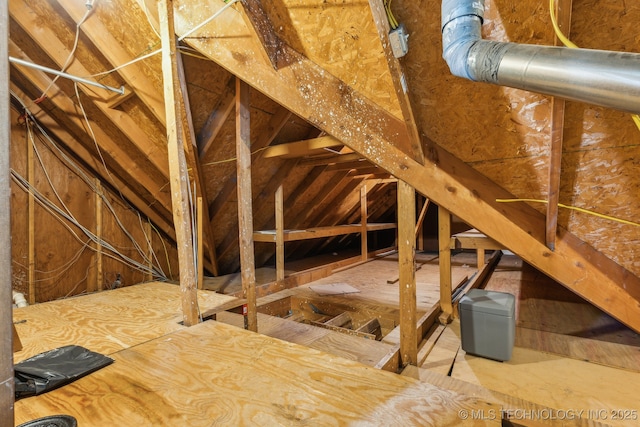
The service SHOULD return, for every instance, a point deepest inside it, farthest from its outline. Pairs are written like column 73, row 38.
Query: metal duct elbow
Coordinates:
column 608, row 79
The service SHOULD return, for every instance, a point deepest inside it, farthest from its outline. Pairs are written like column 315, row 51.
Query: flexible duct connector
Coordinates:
column 605, row 78
column 19, row 300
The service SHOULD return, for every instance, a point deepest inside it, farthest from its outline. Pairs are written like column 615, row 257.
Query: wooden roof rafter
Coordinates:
column 399, row 80
column 309, row 91
column 29, row 20
column 138, row 172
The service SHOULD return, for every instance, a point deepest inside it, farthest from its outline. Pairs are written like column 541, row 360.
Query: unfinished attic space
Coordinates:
column 320, row 212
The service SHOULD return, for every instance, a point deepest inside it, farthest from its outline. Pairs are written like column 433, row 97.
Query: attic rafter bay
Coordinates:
column 309, row 91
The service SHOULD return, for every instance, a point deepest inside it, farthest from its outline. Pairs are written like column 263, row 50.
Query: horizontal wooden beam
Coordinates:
column 302, row 148
column 319, row 232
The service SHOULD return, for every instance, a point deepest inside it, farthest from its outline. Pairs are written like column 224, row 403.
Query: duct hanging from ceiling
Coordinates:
column 605, row 78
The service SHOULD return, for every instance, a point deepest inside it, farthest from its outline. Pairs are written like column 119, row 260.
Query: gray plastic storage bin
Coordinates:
column 487, row 323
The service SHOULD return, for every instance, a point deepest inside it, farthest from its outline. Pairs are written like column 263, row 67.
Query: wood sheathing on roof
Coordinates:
column 330, row 79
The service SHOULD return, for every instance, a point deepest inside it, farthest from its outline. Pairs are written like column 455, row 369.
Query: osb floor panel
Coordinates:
column 107, row 321
column 368, row 352
column 217, row 374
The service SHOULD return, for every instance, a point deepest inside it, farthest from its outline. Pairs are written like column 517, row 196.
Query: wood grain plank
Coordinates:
column 107, row 321
column 196, row 378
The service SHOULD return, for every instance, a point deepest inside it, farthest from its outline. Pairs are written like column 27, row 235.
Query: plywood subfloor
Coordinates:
column 217, row 374
column 365, row 351
column 108, row 321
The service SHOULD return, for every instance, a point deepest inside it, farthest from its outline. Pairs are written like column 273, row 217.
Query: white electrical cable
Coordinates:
column 73, row 50
column 156, row 270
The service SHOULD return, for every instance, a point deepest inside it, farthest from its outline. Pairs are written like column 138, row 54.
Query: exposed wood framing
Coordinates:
column 148, row 232
column 6, row 320
column 133, row 74
column 31, row 212
column 132, row 172
column 302, row 148
column 563, row 14
column 216, row 119
column 58, row 52
column 258, row 19
column 407, row 281
column 399, row 80
column 245, row 209
column 178, row 165
column 279, row 203
column 420, row 223
column 193, row 162
column 276, row 123
column 199, row 220
column 311, row 92
column 363, row 223
column 444, row 237
column 99, row 281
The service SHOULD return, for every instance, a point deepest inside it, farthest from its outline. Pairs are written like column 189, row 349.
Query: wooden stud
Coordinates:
column 364, row 249
column 148, row 231
column 193, row 160
column 178, row 166
column 407, row 282
column 444, row 237
column 136, row 173
column 420, row 223
column 563, row 14
column 276, row 123
column 29, row 20
column 399, row 80
column 279, row 203
column 245, row 208
column 199, row 261
column 31, row 212
column 6, row 321
column 99, row 280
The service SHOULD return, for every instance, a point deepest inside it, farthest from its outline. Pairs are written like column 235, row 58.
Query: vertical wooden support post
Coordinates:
column 444, row 240
column 31, row 212
column 563, row 14
column 99, row 280
column 424, row 202
column 200, row 240
column 6, row 323
column 364, row 248
column 245, row 208
column 407, row 282
column 480, row 256
column 149, row 232
column 178, row 175
column 279, row 203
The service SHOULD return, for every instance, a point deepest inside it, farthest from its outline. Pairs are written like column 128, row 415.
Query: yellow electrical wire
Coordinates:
column 568, row 43
column 393, row 22
column 574, row 208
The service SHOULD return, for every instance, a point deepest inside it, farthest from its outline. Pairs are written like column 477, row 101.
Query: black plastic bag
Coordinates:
column 55, row 368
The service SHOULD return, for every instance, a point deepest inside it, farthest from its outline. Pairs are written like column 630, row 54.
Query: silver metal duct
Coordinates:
column 609, row 79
